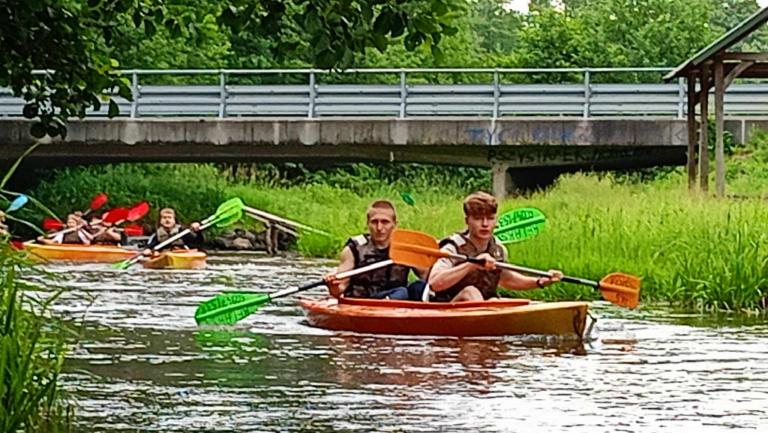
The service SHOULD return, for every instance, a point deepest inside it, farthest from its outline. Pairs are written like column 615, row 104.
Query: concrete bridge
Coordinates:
column 527, row 133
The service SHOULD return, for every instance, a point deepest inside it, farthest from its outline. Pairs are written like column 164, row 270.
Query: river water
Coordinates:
column 142, row 364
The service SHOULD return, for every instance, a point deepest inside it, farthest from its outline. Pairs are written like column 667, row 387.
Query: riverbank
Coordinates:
column 692, row 251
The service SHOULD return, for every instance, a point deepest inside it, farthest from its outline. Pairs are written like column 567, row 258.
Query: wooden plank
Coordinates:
column 719, row 144
column 755, row 57
column 736, row 71
column 691, row 162
column 704, row 135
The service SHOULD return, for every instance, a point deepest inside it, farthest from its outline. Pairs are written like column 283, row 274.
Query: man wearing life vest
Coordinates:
column 74, row 233
column 390, row 282
column 167, row 228
column 454, row 280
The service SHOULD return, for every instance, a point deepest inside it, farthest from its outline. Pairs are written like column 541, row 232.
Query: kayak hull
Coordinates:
column 459, row 319
column 182, row 259
column 78, row 253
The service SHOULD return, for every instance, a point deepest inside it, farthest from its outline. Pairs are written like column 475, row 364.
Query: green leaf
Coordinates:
column 38, row 130
column 114, row 109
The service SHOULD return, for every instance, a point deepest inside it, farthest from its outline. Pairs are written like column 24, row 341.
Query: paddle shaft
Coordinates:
column 339, row 276
column 523, row 269
column 269, row 216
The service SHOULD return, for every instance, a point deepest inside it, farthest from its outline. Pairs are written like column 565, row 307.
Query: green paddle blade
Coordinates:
column 229, row 308
column 520, row 224
column 408, row 198
column 228, row 217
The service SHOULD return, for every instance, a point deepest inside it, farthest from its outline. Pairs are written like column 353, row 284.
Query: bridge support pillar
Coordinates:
column 501, row 181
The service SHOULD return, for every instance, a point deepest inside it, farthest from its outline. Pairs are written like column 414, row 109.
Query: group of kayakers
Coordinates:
column 448, row 280
column 98, row 231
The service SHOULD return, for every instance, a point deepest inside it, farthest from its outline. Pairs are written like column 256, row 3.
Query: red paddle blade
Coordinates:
column 99, row 200
column 621, row 289
column 133, row 230
column 138, row 212
column 114, row 215
column 17, row 245
column 50, row 224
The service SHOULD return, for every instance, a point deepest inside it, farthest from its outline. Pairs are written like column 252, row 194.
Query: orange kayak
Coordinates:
column 459, row 319
column 78, row 253
column 178, row 259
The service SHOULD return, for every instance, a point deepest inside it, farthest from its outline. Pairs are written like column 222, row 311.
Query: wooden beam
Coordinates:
column 703, row 134
column 719, row 145
column 738, row 69
column 691, row 117
column 755, row 57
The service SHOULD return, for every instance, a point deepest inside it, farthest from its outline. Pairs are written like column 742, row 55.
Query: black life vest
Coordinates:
column 485, row 281
column 72, row 237
column 163, row 235
column 368, row 284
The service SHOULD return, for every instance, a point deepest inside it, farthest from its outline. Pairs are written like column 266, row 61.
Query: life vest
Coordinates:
column 163, row 235
column 368, row 284
column 485, row 281
column 73, row 237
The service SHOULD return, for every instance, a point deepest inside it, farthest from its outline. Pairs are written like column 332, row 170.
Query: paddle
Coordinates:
column 259, row 214
column 97, row 202
column 132, row 230
column 17, row 203
column 228, row 213
column 421, row 250
column 138, row 211
column 229, row 308
column 519, row 224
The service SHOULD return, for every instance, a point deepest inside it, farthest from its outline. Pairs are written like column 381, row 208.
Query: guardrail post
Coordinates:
column 222, row 94
column 134, row 94
column 587, row 93
column 403, row 94
column 496, row 94
column 312, row 95
column 680, row 97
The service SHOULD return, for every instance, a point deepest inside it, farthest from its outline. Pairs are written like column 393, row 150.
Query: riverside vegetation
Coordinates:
column 693, row 251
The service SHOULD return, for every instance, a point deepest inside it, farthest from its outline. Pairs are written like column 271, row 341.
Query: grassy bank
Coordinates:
column 692, row 251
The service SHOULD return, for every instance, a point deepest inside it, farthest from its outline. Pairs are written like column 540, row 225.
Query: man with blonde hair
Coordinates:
column 390, row 282
column 453, row 280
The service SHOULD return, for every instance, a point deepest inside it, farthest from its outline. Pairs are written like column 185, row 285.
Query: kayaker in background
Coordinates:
column 390, row 282
column 102, row 232
column 167, row 228
column 453, row 281
column 74, row 233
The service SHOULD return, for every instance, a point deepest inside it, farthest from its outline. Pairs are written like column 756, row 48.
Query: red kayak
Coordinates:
column 458, row 319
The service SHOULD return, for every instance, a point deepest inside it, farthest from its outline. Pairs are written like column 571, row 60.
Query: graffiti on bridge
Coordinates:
column 580, row 133
column 563, row 155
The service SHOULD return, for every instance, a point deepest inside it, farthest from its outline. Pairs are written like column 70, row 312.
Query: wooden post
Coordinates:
column 719, row 145
column 704, row 133
column 691, row 132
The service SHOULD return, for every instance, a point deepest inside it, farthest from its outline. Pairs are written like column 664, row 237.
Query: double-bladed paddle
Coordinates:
column 421, row 250
column 227, row 213
column 229, row 308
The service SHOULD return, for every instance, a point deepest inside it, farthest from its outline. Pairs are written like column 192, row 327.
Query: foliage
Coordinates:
column 73, row 40
column 32, row 348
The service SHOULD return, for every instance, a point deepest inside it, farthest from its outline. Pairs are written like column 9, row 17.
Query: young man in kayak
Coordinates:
column 453, row 281
column 102, row 232
column 167, row 228
column 390, row 282
column 74, row 233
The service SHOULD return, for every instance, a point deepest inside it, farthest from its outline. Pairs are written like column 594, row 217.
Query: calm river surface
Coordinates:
column 143, row 365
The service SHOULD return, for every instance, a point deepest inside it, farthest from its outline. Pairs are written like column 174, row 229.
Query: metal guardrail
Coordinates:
column 410, row 97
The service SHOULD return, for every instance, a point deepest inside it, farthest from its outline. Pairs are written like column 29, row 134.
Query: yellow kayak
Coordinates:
column 177, row 259
column 78, row 253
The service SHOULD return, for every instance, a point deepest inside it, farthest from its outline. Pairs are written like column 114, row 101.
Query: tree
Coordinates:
column 73, row 41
